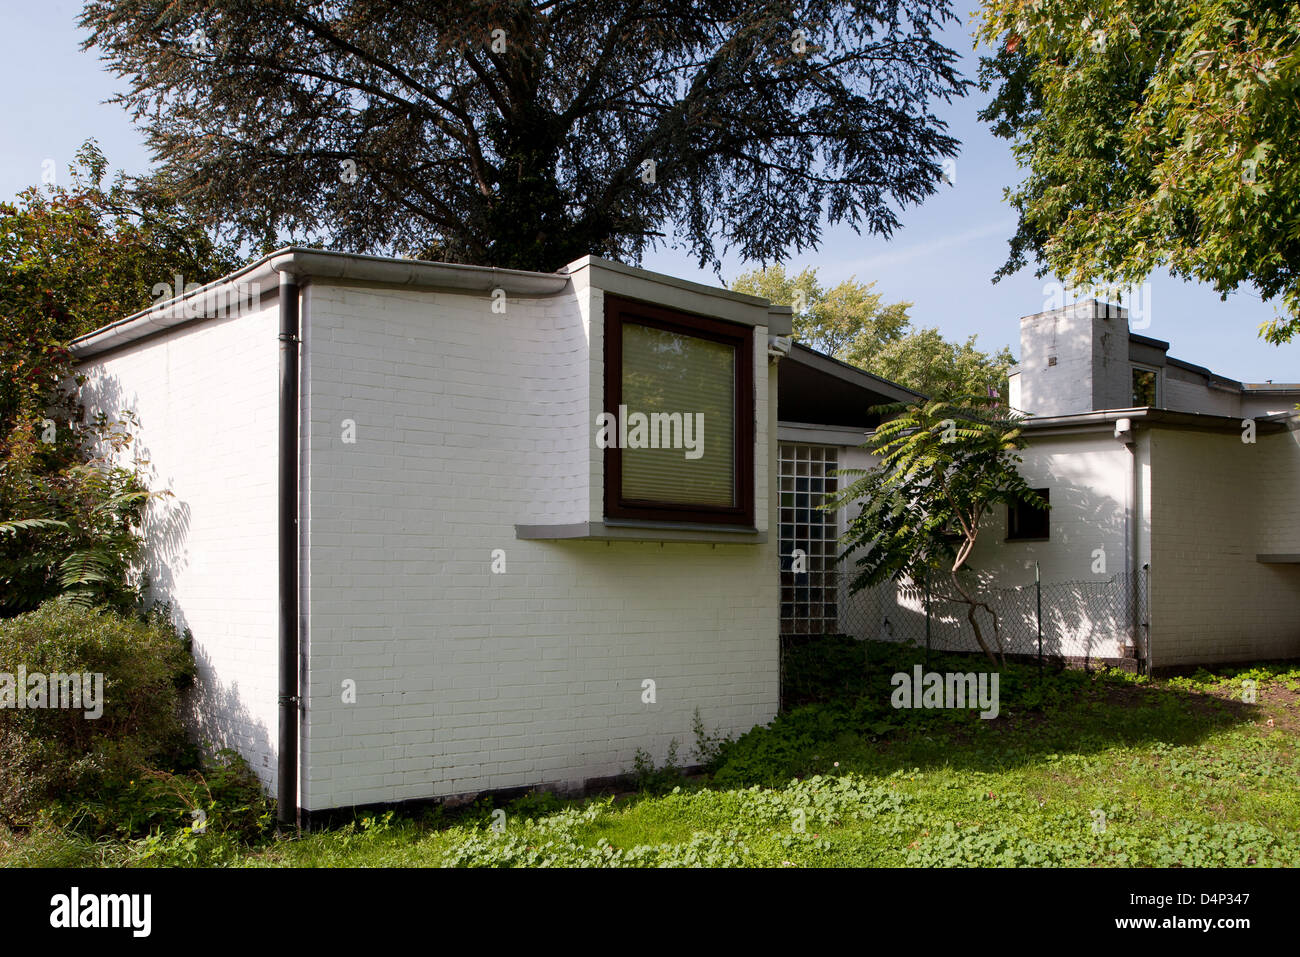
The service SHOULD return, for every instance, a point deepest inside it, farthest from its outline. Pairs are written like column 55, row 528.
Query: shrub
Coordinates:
column 648, row 779
column 49, row 753
column 821, row 668
column 69, row 527
column 222, row 797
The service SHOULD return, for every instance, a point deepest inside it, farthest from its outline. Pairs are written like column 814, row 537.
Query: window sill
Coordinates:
column 1045, row 538
column 619, row 530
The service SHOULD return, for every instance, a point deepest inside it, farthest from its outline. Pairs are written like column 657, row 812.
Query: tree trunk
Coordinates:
column 973, row 605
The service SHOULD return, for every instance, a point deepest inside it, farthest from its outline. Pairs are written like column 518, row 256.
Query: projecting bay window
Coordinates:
column 678, row 424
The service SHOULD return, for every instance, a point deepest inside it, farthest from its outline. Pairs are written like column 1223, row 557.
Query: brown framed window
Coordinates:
column 678, row 423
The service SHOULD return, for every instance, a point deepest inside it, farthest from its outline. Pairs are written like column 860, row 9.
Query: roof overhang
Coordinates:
column 717, row 302
column 303, row 265
column 815, row 389
column 1037, row 426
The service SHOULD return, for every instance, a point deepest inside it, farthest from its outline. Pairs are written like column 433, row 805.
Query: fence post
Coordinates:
column 1038, row 589
column 927, row 620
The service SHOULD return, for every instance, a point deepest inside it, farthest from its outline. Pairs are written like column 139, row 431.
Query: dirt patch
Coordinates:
column 1273, row 702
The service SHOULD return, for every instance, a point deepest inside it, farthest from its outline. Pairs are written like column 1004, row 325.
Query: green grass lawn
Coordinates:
column 1078, row 769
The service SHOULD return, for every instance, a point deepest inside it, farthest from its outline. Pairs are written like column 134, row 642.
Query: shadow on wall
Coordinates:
column 216, row 716
column 1090, row 601
column 167, row 519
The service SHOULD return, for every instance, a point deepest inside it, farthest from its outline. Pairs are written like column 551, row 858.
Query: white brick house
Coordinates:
column 1191, row 474
column 1157, row 471
column 412, row 571
column 471, row 604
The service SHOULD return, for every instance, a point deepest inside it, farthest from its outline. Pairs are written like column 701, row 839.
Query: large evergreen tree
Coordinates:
column 528, row 134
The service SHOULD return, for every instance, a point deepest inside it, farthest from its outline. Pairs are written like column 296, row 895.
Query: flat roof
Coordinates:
column 1196, row 421
column 306, row 263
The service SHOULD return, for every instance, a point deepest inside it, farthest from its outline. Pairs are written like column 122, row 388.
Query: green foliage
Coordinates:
column 1079, row 769
column 774, row 754
column 80, row 534
column 555, row 841
column 649, row 779
column 1153, row 133
column 207, row 816
column 848, row 321
column 77, row 257
column 925, row 361
column 60, row 754
column 852, row 323
column 837, row 686
column 942, row 467
column 72, row 259
column 708, row 745
column 515, row 135
column 821, row 668
column 220, row 796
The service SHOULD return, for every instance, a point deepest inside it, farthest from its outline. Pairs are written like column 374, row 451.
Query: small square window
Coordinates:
column 1026, row 522
column 1146, row 390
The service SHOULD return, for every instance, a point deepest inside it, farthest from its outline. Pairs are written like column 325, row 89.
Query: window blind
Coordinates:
column 668, row 372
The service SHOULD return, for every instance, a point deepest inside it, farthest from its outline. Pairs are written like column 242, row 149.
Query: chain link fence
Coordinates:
column 1067, row 622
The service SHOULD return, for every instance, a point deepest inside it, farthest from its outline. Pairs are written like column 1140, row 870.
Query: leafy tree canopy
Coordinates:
column 528, row 134
column 1154, row 133
column 853, row 323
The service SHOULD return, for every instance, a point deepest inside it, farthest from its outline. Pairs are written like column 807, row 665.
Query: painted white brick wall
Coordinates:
column 1088, row 476
column 1216, row 503
column 467, row 680
column 1186, row 391
column 1279, row 484
column 205, row 396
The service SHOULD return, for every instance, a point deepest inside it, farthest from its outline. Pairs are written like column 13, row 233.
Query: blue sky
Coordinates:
column 941, row 259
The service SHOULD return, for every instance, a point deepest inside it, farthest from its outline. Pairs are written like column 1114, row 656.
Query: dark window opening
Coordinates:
column 1144, row 388
column 1025, row 521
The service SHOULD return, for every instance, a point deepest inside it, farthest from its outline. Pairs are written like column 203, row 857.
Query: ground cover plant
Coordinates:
column 1099, row 768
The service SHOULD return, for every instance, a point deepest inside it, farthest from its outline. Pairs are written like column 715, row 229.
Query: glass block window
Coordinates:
column 810, row 594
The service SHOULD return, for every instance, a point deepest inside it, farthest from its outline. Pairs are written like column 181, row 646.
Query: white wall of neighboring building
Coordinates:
column 468, row 424
column 1188, row 391
column 205, row 398
column 1217, row 504
column 1256, row 404
column 1278, row 480
column 1090, row 478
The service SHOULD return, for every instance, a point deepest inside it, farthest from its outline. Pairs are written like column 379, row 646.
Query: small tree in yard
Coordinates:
column 943, row 466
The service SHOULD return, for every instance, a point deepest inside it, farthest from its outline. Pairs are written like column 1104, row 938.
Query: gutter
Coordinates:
column 1191, row 421
column 1125, row 433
